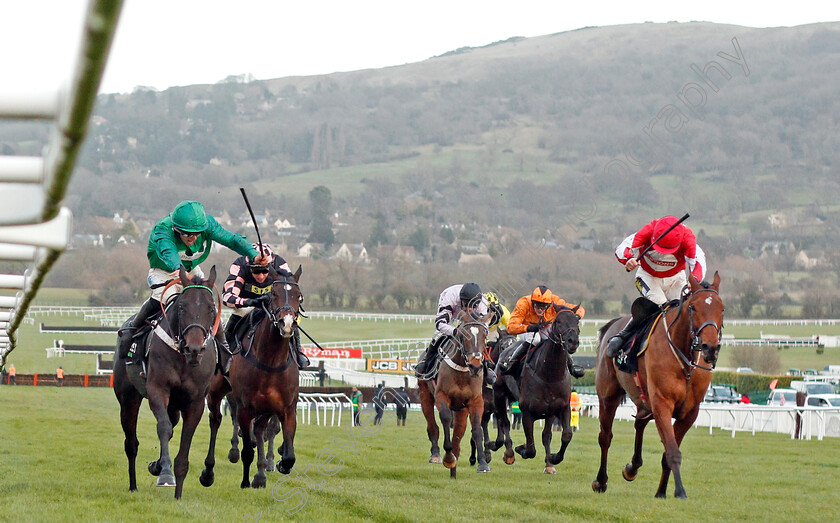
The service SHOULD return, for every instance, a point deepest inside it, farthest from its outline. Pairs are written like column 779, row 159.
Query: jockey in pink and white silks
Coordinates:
column 660, row 273
column 453, row 301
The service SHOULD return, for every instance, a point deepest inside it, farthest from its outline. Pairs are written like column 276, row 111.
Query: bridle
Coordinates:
column 562, row 338
column 276, row 315
column 696, row 344
column 177, row 343
column 464, row 328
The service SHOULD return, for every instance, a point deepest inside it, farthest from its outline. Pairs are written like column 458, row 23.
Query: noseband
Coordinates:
column 479, row 354
column 178, row 343
column 276, row 315
column 696, row 343
column 563, row 337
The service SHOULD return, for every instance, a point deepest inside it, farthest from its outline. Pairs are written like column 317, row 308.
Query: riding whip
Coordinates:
column 649, row 247
column 254, row 220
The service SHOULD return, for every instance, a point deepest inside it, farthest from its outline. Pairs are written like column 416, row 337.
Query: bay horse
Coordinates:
column 671, row 380
column 545, row 389
column 457, row 393
column 264, row 381
column 182, row 360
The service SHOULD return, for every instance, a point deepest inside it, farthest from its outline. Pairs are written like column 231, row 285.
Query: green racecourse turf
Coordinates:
column 61, row 459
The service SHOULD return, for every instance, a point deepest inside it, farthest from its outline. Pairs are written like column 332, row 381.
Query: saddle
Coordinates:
column 138, row 353
column 636, row 344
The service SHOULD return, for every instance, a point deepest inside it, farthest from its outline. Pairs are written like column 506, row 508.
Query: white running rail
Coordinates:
column 34, row 228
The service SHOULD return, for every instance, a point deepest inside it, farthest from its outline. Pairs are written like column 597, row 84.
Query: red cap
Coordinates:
column 671, row 242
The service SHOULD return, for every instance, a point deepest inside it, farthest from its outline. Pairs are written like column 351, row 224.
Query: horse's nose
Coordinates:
column 710, row 353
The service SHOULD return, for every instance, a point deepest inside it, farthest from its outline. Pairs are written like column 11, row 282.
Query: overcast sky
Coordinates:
column 161, row 43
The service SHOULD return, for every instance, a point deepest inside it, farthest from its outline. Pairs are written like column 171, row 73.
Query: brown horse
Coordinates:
column 264, row 382
column 546, row 386
column 272, row 428
column 673, row 380
column 457, row 393
column 179, row 374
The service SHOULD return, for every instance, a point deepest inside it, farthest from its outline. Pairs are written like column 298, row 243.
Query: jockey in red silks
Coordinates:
column 660, row 273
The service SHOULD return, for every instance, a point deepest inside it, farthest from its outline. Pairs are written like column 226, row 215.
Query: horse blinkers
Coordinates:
column 709, row 351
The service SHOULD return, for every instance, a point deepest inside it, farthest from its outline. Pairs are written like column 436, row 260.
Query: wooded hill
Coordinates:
column 572, row 138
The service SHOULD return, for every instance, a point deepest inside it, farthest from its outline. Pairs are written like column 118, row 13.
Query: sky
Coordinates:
column 163, row 43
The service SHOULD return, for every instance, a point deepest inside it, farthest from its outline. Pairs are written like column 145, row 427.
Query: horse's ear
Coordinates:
column 272, row 272
column 557, row 308
column 212, row 278
column 693, row 283
column 298, row 273
column 182, row 274
column 575, row 308
column 716, row 281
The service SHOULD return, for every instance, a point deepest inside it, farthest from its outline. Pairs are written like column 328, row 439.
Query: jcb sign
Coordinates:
column 392, row 366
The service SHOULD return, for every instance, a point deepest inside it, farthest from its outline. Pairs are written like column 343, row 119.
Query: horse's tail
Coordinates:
column 604, row 329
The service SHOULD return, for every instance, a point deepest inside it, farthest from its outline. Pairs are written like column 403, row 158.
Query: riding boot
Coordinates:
column 489, row 375
column 512, row 385
column 230, row 332
column 224, row 354
column 511, row 355
column 302, row 360
column 424, row 363
column 147, row 310
column 575, row 370
column 616, row 343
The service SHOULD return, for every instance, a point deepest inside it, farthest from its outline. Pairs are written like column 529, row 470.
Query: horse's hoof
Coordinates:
column 233, row 455
column 483, row 468
column 472, row 461
column 660, row 495
column 452, row 473
column 450, row 463
column 625, row 473
column 269, row 467
column 509, row 460
column 549, row 470
column 245, row 484
column 488, row 457
column 281, row 469
column 207, row 477
column 155, row 468
column 435, row 459
column 598, row 487
column 258, row 482
column 165, row 480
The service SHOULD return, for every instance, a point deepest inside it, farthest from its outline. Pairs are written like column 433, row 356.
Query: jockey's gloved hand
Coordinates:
column 534, row 327
column 252, row 302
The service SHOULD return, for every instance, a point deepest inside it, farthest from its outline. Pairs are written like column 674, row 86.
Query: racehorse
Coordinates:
column 672, row 380
column 545, row 389
column 491, row 356
column 182, row 359
column 457, row 393
column 264, row 382
column 271, row 430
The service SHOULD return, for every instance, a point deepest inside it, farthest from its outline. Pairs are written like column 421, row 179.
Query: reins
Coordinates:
column 177, row 343
column 271, row 314
column 689, row 365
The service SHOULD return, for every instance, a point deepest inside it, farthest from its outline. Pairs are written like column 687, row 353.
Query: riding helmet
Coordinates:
column 189, row 217
column 542, row 294
column 470, row 294
column 671, row 241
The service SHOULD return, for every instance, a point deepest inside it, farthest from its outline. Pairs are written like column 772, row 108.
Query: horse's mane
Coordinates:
column 603, row 329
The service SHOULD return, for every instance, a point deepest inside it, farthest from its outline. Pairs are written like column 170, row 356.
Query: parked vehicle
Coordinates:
column 745, row 370
column 823, row 400
column 782, row 397
column 722, row 394
column 812, row 387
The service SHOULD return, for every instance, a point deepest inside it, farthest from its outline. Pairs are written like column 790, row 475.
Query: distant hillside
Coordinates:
column 572, row 138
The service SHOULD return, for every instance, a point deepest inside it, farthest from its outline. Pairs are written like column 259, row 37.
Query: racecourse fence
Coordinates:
column 34, row 228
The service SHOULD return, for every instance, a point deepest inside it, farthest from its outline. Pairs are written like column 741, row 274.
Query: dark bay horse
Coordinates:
column 264, row 382
column 491, row 356
column 673, row 380
column 182, row 359
column 457, row 393
column 545, row 389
